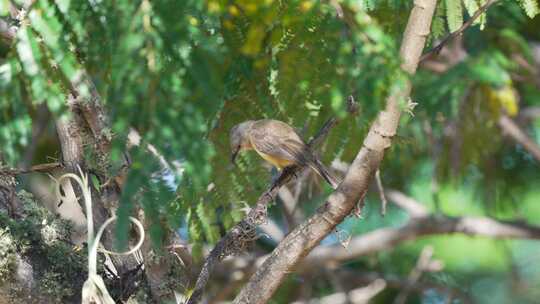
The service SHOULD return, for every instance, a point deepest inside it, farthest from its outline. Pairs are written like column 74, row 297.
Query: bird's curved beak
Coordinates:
column 234, row 155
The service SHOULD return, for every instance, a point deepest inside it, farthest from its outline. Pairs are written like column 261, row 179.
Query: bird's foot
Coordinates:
column 275, row 176
column 291, row 170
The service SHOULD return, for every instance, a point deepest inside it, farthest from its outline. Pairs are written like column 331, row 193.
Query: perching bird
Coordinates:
column 278, row 143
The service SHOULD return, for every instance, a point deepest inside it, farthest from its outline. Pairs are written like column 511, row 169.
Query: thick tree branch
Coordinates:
column 89, row 107
column 71, row 143
column 304, row 238
column 417, row 227
column 387, row 238
column 423, row 224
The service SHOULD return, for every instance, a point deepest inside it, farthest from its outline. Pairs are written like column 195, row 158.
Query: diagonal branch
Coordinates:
column 245, row 231
column 423, row 224
column 339, row 204
column 510, row 128
column 417, row 227
column 435, row 51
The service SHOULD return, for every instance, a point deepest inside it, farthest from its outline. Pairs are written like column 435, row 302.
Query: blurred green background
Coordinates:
column 182, row 73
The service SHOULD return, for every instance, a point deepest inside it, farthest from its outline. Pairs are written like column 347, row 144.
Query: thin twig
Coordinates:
column 380, row 187
column 464, row 26
column 510, row 128
column 36, row 168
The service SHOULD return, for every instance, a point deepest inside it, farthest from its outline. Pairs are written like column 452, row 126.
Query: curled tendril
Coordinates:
column 94, row 289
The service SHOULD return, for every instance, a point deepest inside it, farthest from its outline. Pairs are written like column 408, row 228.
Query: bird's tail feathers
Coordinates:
column 321, row 169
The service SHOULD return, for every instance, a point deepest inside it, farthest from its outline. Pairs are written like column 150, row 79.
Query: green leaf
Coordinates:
column 530, row 7
column 472, row 6
column 438, row 28
column 454, row 14
column 49, row 34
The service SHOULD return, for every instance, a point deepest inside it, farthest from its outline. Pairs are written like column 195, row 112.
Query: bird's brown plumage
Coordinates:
column 279, row 144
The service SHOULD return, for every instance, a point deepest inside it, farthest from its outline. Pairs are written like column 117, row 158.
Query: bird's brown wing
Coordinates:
column 277, row 144
column 299, row 149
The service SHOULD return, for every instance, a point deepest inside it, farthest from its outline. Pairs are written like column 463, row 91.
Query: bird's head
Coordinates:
column 239, row 138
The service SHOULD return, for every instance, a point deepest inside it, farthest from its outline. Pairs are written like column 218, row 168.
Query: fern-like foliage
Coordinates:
column 530, row 7
column 307, row 64
column 471, row 7
column 184, row 72
column 454, row 14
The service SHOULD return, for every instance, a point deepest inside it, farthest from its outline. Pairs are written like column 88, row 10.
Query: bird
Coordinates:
column 277, row 143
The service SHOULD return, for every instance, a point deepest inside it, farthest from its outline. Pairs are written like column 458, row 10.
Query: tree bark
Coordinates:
column 304, row 238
